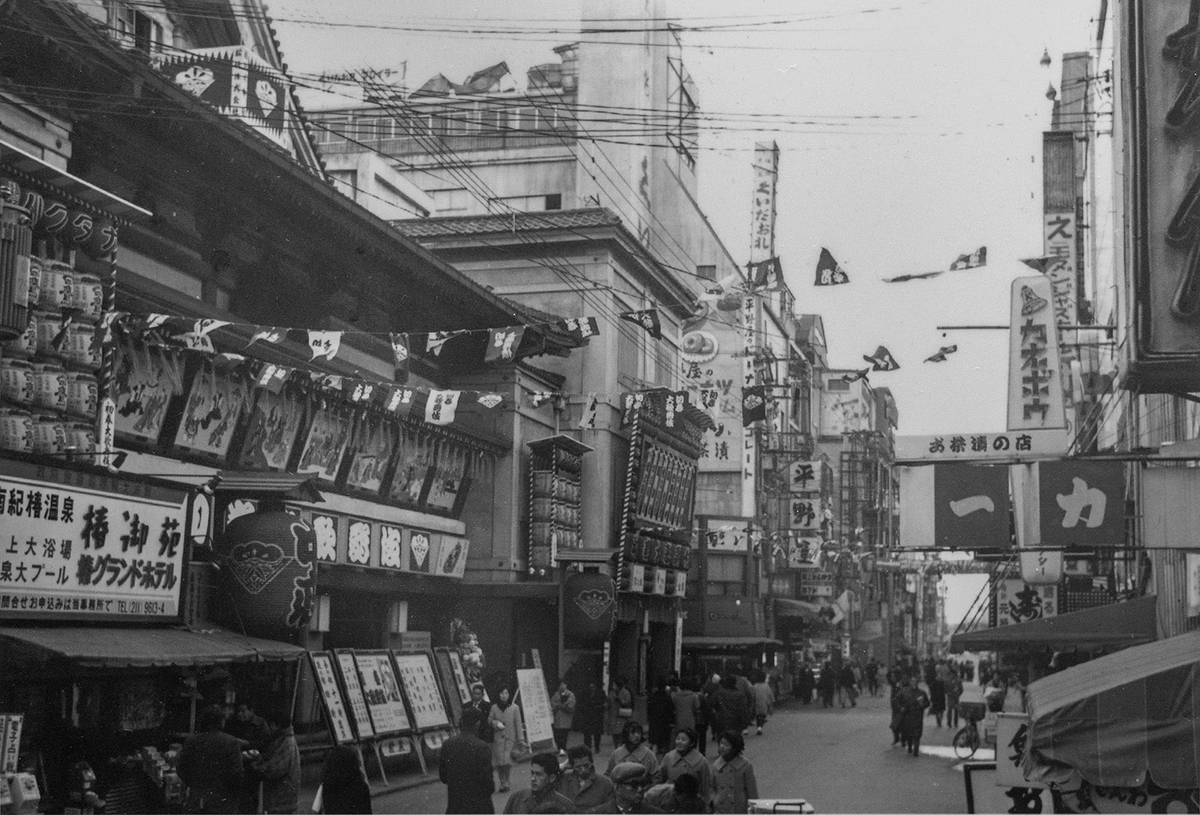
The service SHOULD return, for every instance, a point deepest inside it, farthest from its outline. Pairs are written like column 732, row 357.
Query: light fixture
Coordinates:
column 1045, row 60
column 1051, row 94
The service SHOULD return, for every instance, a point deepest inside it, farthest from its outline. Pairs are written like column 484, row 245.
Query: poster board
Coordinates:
column 460, row 675
column 535, row 705
column 354, row 694
column 331, row 697
column 419, row 678
column 381, row 690
column 441, row 658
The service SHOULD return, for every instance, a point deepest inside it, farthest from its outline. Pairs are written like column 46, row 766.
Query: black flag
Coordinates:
column 647, row 319
column 882, row 360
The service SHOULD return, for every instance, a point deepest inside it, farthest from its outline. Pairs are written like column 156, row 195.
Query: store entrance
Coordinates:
column 357, row 620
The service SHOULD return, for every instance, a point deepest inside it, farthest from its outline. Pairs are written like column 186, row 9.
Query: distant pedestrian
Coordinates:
column 764, row 701
column 562, row 706
column 484, row 707
column 620, row 710
column 897, row 721
column 847, row 685
column 871, row 674
column 954, row 691
column 589, row 716
column 660, row 717
column 729, row 711
column 747, row 688
column 687, row 705
column 937, row 693
column 508, row 731
column 806, row 683
column 344, row 789
column 733, row 776
column 915, row 701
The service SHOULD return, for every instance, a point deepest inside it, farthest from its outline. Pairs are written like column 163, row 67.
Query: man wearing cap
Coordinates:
column 631, row 780
column 541, row 795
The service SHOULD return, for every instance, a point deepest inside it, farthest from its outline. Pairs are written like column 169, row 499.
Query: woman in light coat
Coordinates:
column 733, row 776
column 508, row 731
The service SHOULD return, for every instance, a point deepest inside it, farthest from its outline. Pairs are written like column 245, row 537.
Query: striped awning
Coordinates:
column 1120, row 718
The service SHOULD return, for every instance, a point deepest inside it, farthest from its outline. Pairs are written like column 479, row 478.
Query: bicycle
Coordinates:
column 967, row 739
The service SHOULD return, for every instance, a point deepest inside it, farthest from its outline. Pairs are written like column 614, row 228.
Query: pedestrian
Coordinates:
column 915, row 701
column 630, row 780
column 465, row 767
column 684, row 758
column 687, row 705
column 704, row 725
column 1014, row 698
column 620, row 710
column 747, row 688
column 562, row 706
column 248, row 726
column 210, row 765
column 954, row 691
column 633, row 748
column 897, row 721
column 541, row 795
column 847, row 685
column 733, row 775
column 481, row 704
column 508, row 732
column 587, row 789
column 937, row 693
column 279, row 768
column 682, row 796
column 589, row 716
column 729, row 711
column 660, row 717
column 827, row 684
column 344, row 789
column 764, row 700
column 871, row 674
column 807, row 683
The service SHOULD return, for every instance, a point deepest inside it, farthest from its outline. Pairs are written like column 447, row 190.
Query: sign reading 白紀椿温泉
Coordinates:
column 72, row 552
column 1017, row 445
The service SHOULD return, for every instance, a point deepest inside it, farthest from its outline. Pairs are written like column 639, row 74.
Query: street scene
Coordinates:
column 599, row 406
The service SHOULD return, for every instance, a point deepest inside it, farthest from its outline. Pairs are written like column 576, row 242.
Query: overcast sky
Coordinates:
column 910, row 133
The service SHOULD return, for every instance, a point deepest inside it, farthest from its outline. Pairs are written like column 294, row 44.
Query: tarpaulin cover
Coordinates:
column 1120, row 717
column 137, row 647
column 1130, row 623
column 786, row 607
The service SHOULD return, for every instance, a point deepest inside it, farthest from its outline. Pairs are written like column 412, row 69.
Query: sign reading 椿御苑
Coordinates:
column 68, row 551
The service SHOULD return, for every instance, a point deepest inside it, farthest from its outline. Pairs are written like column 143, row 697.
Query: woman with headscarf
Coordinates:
column 733, row 776
column 508, row 731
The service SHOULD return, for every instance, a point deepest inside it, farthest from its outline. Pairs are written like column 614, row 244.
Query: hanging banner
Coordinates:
column 1082, row 503
column 1018, row 602
column 1035, row 396
column 1025, row 445
column 954, row 506
column 804, row 477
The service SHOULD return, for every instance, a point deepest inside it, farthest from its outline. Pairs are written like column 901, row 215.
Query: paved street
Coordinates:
column 839, row 759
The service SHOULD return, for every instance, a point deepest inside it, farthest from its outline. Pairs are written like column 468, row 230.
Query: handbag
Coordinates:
column 521, row 752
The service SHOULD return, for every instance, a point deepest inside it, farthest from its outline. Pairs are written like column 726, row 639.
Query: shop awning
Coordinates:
column 786, row 607
column 727, row 642
column 1132, row 622
column 1120, row 717
column 137, row 647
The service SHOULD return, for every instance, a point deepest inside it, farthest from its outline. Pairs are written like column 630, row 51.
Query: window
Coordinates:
column 449, row 202
column 666, row 363
column 494, row 120
column 629, row 355
column 554, row 201
column 332, row 130
column 136, row 29
column 726, row 575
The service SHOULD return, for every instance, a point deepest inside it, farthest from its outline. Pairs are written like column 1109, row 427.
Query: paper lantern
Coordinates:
column 36, row 204
column 589, row 609
column 80, row 226
column 54, row 218
column 103, row 241
column 267, row 562
column 10, row 191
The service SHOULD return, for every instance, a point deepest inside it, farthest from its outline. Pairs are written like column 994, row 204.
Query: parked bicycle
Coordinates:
column 967, row 739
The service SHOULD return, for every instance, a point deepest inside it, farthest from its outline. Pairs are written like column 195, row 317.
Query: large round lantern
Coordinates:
column 267, row 561
column 589, row 609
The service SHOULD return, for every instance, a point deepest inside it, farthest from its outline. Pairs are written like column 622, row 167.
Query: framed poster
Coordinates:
column 271, row 429
column 460, row 675
column 420, row 682
column 370, row 453
column 146, row 378
column 328, row 437
column 214, row 405
column 449, row 471
column 381, row 690
column 535, row 705
column 331, row 697
column 354, row 694
column 441, row 658
column 414, row 460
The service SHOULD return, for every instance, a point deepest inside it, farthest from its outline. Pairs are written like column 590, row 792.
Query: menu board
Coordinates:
column 460, row 675
column 331, row 696
column 354, row 694
column 381, row 691
column 535, row 705
column 441, row 658
column 421, row 687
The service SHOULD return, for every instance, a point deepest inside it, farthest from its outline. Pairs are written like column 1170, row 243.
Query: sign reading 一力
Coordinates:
column 69, row 551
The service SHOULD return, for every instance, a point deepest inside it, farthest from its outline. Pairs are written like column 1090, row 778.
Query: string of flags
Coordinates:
column 882, row 360
column 829, row 273
column 970, row 260
column 942, row 353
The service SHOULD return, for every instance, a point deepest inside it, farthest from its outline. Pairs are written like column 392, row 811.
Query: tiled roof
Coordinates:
column 549, row 221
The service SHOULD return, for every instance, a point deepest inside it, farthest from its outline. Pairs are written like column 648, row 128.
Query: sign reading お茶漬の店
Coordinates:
column 73, row 552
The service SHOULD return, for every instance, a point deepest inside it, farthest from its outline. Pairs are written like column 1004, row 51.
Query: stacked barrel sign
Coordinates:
column 50, row 307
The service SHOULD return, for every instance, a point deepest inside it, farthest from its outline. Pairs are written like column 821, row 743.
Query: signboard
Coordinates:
column 804, row 514
column 954, row 506
column 381, row 690
column 724, row 536
column 804, row 477
column 354, row 694
column 535, row 705
column 421, row 687
column 1018, row 602
column 331, row 697
column 1035, row 397
column 441, row 659
column 460, row 676
column 10, row 745
column 1082, row 503
column 1012, row 729
column 1170, row 513
column 1024, row 445
column 1192, row 564
column 72, row 552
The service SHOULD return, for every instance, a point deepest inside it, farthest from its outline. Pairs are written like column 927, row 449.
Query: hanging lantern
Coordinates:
column 103, row 241
column 80, row 226
column 54, row 218
column 589, row 609
column 10, row 191
column 267, row 562
column 33, row 201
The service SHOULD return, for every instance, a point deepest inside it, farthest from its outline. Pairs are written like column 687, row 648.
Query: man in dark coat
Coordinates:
column 913, row 701
column 466, row 768
column 729, row 707
column 210, row 766
column 483, row 707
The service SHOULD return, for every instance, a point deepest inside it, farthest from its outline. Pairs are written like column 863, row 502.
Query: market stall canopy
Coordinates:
column 1121, row 717
column 136, row 647
column 1132, row 622
column 786, row 607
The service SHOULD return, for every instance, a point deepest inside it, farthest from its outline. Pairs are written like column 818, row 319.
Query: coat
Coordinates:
column 675, row 764
column 733, row 784
column 523, row 801
column 642, row 755
column 729, row 711
column 506, row 738
column 466, row 770
column 210, row 765
column 589, row 712
column 660, row 717
column 764, row 699
column 687, row 708
column 614, row 722
column 598, row 796
column 563, row 706
column 280, row 771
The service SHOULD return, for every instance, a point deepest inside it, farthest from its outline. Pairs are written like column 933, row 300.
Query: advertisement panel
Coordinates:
column 1035, row 396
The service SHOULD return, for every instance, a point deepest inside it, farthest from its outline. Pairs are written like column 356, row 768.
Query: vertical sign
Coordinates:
column 331, row 696
column 10, row 747
column 1035, row 398
column 535, row 705
column 1193, row 584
